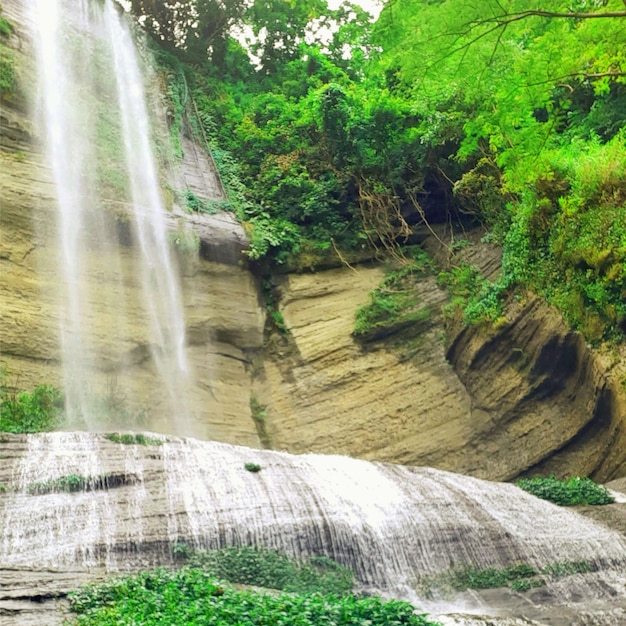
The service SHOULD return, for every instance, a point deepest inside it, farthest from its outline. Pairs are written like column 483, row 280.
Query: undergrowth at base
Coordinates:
column 521, row 577
column 273, row 570
column 190, row 597
column 572, row 492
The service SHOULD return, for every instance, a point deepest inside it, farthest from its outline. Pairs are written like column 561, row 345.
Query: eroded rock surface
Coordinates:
column 527, row 397
column 391, row 524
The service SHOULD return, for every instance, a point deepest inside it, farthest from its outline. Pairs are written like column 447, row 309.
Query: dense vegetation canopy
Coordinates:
column 334, row 133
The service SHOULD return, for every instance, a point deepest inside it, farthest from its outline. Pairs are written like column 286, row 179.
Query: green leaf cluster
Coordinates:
column 526, row 116
column 73, row 483
column 480, row 300
column 133, row 439
column 31, row 412
column 191, row 597
column 521, row 577
column 572, row 492
column 274, row 570
column 394, row 303
column 7, row 61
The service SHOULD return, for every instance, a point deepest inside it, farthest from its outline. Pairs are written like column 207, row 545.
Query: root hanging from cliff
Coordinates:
column 382, row 218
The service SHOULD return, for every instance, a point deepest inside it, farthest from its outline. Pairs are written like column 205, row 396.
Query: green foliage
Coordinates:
column 197, row 205
column 394, row 302
column 75, row 482
column 133, row 439
column 6, row 27
column 34, row 412
column 274, row 570
column 521, row 577
column 8, row 76
column 479, row 299
column 572, row 492
column 275, row 319
column 568, row 568
column 191, row 597
column 253, row 467
column 490, row 578
column 526, row 118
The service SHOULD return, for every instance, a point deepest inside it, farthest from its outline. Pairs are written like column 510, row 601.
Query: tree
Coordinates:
column 199, row 27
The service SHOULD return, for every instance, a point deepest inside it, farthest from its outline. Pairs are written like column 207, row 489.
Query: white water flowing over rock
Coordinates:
column 100, row 143
column 390, row 524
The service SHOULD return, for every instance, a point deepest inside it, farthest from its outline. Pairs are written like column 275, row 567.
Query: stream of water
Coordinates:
column 391, row 525
column 100, row 142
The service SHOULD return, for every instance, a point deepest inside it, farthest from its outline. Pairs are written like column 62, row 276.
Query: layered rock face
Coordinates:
column 125, row 387
column 395, row 527
column 529, row 397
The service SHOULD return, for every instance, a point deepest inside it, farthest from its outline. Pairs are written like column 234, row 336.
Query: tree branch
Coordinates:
column 509, row 18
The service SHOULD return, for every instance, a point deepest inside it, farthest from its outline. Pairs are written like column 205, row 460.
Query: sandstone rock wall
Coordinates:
column 529, row 397
column 31, row 288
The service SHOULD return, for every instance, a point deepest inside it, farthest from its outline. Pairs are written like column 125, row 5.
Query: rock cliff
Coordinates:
column 527, row 397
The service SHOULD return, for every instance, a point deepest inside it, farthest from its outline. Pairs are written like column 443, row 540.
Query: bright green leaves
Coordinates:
column 572, row 492
column 30, row 412
column 191, row 597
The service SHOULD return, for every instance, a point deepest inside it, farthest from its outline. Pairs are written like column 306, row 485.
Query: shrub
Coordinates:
column 133, row 438
column 192, row 597
column 393, row 302
column 31, row 412
column 76, row 482
column 478, row 298
column 274, row 570
column 7, row 60
column 521, row 577
column 572, row 492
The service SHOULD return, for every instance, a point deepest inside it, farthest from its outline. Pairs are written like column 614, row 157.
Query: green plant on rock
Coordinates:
column 521, row 577
column 73, row 483
column 6, row 27
column 273, row 570
column 572, row 492
column 8, row 75
column 134, row 439
column 393, row 303
column 479, row 300
column 191, row 597
column 275, row 318
column 30, row 412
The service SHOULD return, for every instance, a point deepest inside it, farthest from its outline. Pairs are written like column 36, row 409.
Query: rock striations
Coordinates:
column 392, row 525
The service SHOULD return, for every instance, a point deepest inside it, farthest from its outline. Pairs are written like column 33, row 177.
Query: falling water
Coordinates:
column 98, row 136
column 391, row 525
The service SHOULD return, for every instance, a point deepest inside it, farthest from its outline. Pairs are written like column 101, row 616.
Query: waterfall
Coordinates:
column 112, row 224
column 391, row 525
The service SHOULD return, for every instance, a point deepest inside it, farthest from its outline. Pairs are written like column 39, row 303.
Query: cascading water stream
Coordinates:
column 94, row 116
column 391, row 525
column 163, row 298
